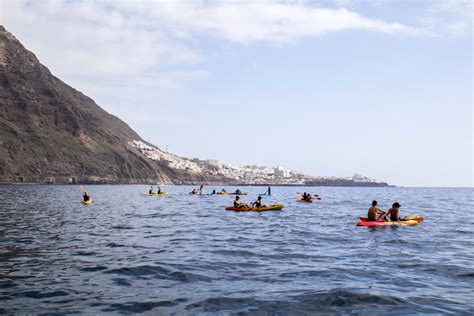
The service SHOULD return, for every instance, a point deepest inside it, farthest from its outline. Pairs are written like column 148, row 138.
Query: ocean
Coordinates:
column 183, row 254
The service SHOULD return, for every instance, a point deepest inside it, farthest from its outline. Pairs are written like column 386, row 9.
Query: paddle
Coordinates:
column 316, row 196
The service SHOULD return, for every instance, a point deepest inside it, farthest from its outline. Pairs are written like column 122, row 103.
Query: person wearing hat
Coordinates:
column 394, row 212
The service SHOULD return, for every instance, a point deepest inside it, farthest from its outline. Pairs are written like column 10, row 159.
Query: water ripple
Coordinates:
column 185, row 255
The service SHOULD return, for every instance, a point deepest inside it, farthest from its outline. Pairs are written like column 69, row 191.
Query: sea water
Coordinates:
column 184, row 254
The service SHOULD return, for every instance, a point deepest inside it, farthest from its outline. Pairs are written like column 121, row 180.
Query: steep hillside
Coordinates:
column 50, row 132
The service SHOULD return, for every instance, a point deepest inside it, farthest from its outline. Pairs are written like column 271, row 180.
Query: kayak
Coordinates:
column 276, row 207
column 156, row 194
column 372, row 224
column 87, row 202
column 417, row 218
column 305, row 201
column 265, row 194
column 232, row 193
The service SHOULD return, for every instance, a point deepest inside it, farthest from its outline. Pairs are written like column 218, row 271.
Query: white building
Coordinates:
column 281, row 172
column 213, row 162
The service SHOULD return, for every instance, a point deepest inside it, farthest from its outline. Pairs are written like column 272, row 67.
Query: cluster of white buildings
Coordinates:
column 175, row 162
column 246, row 174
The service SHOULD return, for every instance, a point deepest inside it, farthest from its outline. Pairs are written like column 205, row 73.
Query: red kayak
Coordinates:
column 372, row 224
column 305, row 201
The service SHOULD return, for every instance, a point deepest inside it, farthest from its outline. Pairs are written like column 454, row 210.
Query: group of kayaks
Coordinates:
column 363, row 221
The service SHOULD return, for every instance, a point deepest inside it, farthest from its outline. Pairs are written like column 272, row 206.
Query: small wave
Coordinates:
column 121, row 282
column 114, row 245
column 306, row 304
column 93, row 269
column 85, row 253
column 159, row 273
column 140, row 307
column 121, row 227
column 39, row 294
column 243, row 253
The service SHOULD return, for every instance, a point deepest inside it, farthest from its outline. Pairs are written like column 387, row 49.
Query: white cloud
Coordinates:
column 450, row 16
column 148, row 43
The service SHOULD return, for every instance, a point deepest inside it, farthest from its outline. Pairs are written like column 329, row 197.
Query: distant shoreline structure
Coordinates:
column 341, row 183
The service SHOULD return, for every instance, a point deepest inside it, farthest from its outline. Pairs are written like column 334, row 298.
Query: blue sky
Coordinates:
column 381, row 88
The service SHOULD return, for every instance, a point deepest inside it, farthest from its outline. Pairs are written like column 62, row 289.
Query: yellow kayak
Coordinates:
column 157, row 194
column 87, row 202
column 276, row 207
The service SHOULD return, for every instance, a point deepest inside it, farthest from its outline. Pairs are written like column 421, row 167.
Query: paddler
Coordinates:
column 258, row 202
column 158, row 191
column 394, row 212
column 239, row 204
column 86, row 197
column 307, row 197
column 374, row 211
column 238, row 191
column 214, row 191
column 151, row 190
column 269, row 191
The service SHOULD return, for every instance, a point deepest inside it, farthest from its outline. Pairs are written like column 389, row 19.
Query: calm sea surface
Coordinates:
column 182, row 254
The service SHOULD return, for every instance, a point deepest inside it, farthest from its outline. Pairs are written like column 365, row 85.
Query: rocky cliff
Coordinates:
column 50, row 132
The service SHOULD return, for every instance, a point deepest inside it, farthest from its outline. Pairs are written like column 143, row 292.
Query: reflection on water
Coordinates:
column 128, row 253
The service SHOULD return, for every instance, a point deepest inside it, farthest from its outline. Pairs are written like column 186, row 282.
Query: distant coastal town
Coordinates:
column 250, row 174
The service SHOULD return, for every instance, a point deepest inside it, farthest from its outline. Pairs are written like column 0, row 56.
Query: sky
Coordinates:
column 329, row 88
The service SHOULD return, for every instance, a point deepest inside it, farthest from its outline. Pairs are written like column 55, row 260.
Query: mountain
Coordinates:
column 50, row 132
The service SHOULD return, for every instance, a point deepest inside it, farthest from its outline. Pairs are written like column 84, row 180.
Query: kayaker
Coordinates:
column 214, row 191
column 394, row 212
column 158, row 191
column 258, row 202
column 269, row 191
column 86, row 197
column 374, row 211
column 238, row 191
column 239, row 204
column 307, row 197
column 223, row 191
column 151, row 190
column 194, row 191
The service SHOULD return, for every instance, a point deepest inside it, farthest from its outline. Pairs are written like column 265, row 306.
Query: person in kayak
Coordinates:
column 307, row 197
column 238, row 191
column 394, row 212
column 158, row 191
column 374, row 211
column 239, row 204
column 258, row 202
column 86, row 197
column 223, row 191
column 269, row 191
column 151, row 190
column 214, row 191
column 194, row 191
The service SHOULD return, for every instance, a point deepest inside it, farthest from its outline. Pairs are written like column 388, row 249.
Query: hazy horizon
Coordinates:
column 382, row 89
